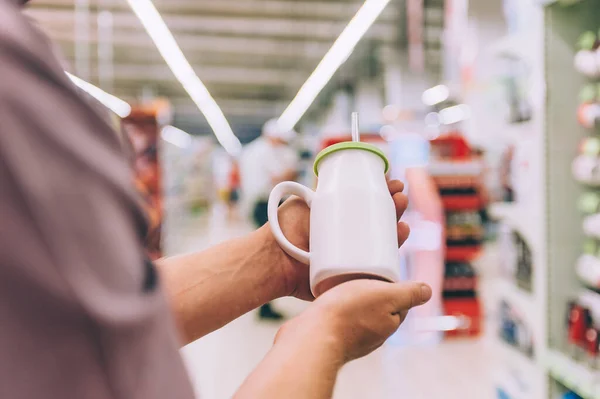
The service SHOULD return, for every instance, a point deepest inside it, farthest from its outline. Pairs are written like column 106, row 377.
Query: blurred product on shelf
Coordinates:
column 142, row 128
column 516, row 81
column 583, row 329
column 514, row 329
column 460, row 280
column 517, row 259
column 524, row 271
column 588, row 113
column 464, row 228
column 588, row 269
column 591, row 226
column 586, row 170
column 590, row 146
column 587, row 59
column 508, row 193
column 589, row 203
column 586, row 166
column 583, row 334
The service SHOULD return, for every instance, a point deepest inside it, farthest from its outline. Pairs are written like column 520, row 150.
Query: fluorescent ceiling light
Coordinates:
column 183, row 71
column 336, row 56
column 435, row 95
column 176, row 136
column 113, row 103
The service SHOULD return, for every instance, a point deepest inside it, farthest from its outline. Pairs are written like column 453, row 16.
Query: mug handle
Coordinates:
column 281, row 190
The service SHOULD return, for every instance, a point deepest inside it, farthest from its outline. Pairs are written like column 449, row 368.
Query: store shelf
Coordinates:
column 564, row 233
column 455, row 203
column 503, row 210
column 519, row 375
column 450, row 168
column 505, row 352
column 519, row 298
column 518, row 217
column 462, row 254
column 573, row 375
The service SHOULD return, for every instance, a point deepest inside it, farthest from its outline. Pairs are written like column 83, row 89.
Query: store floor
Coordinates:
column 220, row 362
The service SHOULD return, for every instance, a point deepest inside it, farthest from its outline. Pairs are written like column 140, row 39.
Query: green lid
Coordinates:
column 350, row 145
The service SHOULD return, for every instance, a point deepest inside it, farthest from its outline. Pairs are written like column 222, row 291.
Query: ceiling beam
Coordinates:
column 221, row 74
column 229, row 26
column 219, row 91
column 194, row 44
column 255, row 109
column 140, row 55
column 319, row 10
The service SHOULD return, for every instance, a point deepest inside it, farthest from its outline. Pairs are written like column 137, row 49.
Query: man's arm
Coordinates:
column 304, row 366
column 209, row 289
column 345, row 323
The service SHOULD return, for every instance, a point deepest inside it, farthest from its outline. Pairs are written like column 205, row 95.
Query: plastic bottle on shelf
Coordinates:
column 588, row 113
column 588, row 265
column 579, row 321
column 592, row 340
column 587, row 58
column 586, row 166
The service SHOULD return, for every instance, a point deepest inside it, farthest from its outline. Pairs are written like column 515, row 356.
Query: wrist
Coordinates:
column 311, row 334
column 277, row 261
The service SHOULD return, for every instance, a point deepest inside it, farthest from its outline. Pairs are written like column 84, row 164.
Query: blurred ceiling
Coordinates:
column 253, row 55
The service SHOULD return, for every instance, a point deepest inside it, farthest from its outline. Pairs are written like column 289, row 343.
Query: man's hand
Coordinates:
column 294, row 218
column 347, row 322
column 356, row 317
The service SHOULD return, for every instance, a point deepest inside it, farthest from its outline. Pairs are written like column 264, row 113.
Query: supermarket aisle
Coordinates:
column 219, row 363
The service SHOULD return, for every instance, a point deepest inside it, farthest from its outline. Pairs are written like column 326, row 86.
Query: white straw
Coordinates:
column 355, row 127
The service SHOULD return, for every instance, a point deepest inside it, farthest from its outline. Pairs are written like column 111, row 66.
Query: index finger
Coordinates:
column 395, row 186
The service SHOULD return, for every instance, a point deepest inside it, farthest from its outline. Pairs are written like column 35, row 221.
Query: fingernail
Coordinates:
column 425, row 293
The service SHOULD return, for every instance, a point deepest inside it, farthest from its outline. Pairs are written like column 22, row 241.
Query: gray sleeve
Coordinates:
column 76, row 319
column 66, row 169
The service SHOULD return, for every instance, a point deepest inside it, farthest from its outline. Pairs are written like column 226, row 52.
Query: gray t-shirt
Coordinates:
column 82, row 314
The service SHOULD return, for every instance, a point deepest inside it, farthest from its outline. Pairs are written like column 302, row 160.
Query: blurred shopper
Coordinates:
column 84, row 312
column 234, row 187
column 267, row 161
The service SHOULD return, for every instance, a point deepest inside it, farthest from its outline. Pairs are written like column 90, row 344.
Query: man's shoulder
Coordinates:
column 13, row 25
column 20, row 41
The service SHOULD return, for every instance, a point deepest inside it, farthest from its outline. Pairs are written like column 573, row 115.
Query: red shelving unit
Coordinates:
column 457, row 175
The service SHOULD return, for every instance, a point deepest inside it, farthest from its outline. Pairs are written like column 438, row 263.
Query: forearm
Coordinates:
column 211, row 288
column 304, row 367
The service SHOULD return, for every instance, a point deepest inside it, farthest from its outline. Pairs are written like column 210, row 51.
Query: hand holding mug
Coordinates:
column 294, row 219
column 353, row 225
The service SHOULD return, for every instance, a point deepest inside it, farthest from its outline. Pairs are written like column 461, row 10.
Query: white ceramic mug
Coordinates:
column 353, row 227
